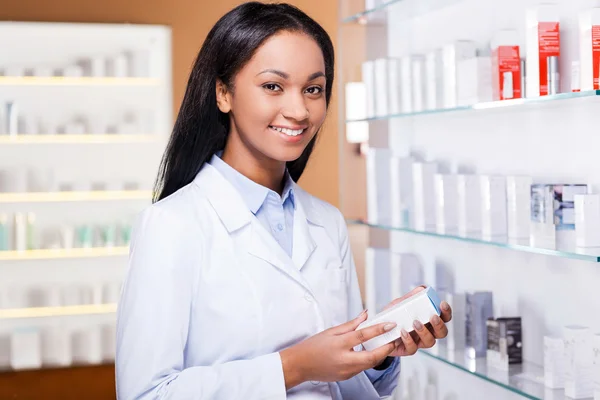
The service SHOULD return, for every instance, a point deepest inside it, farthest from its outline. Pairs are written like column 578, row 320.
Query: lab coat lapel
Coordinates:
column 303, row 243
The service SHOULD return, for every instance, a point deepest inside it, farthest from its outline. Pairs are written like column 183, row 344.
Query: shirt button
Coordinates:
column 315, row 383
column 280, row 227
column 308, row 297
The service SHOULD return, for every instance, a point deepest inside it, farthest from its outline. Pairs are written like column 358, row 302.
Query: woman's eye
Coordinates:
column 272, row 87
column 314, row 90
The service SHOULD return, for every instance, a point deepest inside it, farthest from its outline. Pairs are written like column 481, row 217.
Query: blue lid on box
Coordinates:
column 434, row 298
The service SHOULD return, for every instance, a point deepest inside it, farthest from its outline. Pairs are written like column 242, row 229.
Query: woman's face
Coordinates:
column 278, row 100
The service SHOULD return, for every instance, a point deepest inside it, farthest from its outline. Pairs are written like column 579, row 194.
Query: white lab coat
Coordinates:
column 210, row 298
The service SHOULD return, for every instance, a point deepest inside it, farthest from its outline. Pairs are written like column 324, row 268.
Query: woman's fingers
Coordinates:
column 363, row 335
column 410, row 346
column 427, row 338
column 351, row 325
column 439, row 328
column 446, row 314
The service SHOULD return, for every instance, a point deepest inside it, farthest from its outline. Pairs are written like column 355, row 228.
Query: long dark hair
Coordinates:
column 201, row 129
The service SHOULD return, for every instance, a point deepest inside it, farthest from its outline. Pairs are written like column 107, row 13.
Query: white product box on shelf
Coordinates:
column 87, row 345
column 434, row 98
column 480, row 307
column 493, row 206
column 474, row 81
column 418, row 79
column 356, row 109
column 406, row 84
column 25, row 349
column 589, row 49
column 109, row 345
column 381, row 87
column 368, row 77
column 469, row 205
column 456, row 327
column 56, row 347
column 596, row 351
column 587, row 220
column 401, row 182
column 554, row 362
column 446, row 201
column 377, row 279
column 554, row 204
column 424, row 195
column 452, row 54
column 394, row 71
column 421, row 306
column 518, row 193
column 542, row 44
column 5, row 345
column 579, row 360
column 378, row 185
column 406, row 273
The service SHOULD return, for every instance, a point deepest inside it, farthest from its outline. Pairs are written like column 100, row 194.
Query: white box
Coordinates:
column 446, row 199
column 554, row 362
column 56, row 347
column 474, row 81
column 368, row 77
column 401, row 183
column 589, row 49
column 418, row 78
column 377, row 279
column 452, row 53
column 394, row 71
column 406, row 273
column 406, row 84
column 25, row 349
column 434, row 98
column 378, row 186
column 424, row 195
column 87, row 345
column 587, row 220
column 421, row 306
column 493, row 206
column 518, row 194
column 469, row 205
column 542, row 37
column 596, row 350
column 381, row 87
column 356, row 109
column 579, row 362
column 456, row 327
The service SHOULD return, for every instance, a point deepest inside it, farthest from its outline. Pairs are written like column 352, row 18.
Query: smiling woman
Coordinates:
column 241, row 285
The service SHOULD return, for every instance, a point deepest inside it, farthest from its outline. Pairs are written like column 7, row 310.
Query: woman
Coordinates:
column 240, row 284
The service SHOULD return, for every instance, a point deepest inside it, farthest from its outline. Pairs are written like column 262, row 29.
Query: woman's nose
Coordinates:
column 295, row 108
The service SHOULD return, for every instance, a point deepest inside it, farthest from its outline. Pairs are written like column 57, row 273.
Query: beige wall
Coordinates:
column 190, row 21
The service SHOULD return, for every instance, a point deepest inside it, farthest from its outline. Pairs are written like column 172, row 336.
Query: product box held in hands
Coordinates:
column 421, row 306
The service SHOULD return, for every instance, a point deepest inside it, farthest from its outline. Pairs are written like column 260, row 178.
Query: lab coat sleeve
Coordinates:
column 385, row 381
column 153, row 322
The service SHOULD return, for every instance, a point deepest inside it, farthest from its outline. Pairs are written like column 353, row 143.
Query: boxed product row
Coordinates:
column 19, row 232
column 35, row 347
column 130, row 63
column 403, row 191
column 16, row 121
column 571, row 361
column 462, row 74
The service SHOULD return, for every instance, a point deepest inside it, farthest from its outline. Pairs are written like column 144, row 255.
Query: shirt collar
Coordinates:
column 253, row 194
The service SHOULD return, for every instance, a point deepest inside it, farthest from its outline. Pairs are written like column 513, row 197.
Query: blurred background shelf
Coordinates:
column 62, row 311
column 74, row 81
column 75, row 196
column 77, row 139
column 361, row 17
column 47, row 254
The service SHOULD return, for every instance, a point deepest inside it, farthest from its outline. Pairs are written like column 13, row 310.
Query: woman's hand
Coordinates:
column 424, row 336
column 329, row 356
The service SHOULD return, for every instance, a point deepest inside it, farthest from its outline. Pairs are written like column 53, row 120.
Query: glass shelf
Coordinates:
column 588, row 254
column 525, row 379
column 489, row 105
column 41, row 312
column 75, row 81
column 361, row 17
column 48, row 254
column 76, row 139
column 75, row 196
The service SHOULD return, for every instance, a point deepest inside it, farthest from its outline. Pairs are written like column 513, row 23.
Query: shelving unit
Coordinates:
column 57, row 254
column 64, row 311
column 76, row 81
column 76, row 139
column 549, row 138
column 52, row 197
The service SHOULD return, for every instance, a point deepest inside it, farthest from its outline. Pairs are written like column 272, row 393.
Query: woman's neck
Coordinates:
column 262, row 170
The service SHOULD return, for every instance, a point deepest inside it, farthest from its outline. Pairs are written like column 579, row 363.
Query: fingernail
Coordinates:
column 418, row 325
column 362, row 313
column 445, row 306
column 389, row 327
column 404, row 334
column 435, row 320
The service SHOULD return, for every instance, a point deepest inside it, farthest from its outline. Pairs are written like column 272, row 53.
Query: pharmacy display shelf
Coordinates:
column 363, row 16
column 60, row 311
column 53, row 197
column 75, row 81
column 587, row 254
column 48, row 254
column 490, row 105
column 76, row 139
column 526, row 379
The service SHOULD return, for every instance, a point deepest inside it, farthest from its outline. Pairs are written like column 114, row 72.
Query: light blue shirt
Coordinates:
column 275, row 212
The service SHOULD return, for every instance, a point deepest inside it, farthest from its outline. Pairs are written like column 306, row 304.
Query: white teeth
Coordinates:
column 289, row 132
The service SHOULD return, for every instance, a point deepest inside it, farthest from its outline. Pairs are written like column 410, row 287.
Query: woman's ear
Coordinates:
column 223, row 97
